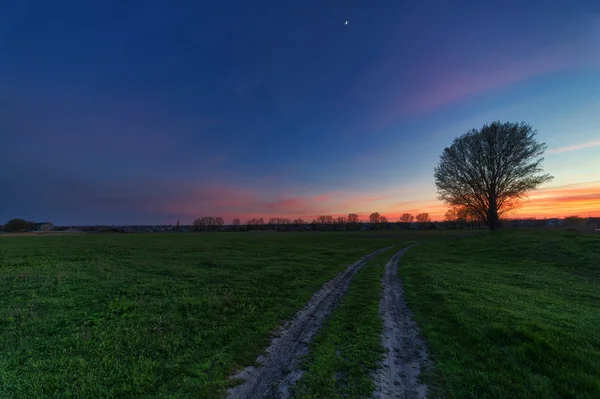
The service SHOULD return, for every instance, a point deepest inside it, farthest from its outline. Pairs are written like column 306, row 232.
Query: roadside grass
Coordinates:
column 168, row 315
column 345, row 352
column 509, row 314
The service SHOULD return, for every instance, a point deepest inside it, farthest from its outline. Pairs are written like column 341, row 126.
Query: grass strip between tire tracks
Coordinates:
column 345, row 352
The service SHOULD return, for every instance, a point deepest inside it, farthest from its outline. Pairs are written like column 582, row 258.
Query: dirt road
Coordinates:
column 280, row 367
column 398, row 376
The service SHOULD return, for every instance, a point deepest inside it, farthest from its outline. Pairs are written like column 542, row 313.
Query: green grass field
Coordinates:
column 506, row 314
column 510, row 315
column 153, row 315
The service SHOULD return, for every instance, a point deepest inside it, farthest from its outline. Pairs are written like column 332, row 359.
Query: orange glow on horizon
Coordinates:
column 556, row 202
column 582, row 199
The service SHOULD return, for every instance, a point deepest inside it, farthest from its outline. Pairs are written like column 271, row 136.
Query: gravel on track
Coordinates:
column 407, row 355
column 280, row 368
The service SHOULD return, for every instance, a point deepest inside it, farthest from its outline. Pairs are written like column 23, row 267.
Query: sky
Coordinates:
column 119, row 113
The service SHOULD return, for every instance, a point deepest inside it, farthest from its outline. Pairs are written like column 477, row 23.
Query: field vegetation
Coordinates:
column 506, row 313
column 510, row 314
column 153, row 315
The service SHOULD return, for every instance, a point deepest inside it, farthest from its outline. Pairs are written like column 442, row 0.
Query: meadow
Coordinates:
column 170, row 315
column 506, row 314
column 513, row 314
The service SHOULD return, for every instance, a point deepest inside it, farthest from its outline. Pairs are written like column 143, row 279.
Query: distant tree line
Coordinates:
column 208, row 223
column 352, row 222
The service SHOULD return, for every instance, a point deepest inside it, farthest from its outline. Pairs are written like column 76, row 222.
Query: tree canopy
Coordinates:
column 17, row 225
column 488, row 171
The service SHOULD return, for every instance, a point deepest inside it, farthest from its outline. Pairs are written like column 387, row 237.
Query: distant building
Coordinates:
column 44, row 226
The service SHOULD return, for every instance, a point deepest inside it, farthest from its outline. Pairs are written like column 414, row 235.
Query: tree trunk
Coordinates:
column 493, row 214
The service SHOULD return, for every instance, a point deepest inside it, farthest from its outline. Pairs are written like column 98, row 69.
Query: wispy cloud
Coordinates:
column 573, row 199
column 452, row 86
column 444, row 83
column 574, row 147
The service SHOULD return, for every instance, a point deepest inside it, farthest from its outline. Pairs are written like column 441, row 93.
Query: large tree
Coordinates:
column 488, row 171
column 18, row 225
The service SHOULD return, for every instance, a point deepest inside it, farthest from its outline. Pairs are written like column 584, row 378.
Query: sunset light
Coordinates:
column 340, row 121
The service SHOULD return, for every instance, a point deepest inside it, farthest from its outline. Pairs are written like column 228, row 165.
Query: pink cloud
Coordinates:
column 446, row 84
column 375, row 199
column 463, row 84
column 288, row 206
column 328, row 196
column 574, row 147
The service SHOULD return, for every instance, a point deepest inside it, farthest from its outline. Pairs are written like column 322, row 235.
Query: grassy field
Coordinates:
column 506, row 314
column 153, row 315
column 509, row 314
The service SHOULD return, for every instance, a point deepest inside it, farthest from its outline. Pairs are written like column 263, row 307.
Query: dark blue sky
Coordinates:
column 149, row 113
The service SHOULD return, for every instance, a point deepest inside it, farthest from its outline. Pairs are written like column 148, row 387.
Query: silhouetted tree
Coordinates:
column 452, row 218
column 219, row 222
column 255, row 223
column 489, row 170
column 406, row 219
column 423, row 219
column 325, row 219
column 340, row 223
column 573, row 218
column 353, row 218
column 236, row 222
column 461, row 217
column 196, row 224
column 178, row 226
column 353, row 221
column 211, row 223
column 383, row 222
column 279, row 221
column 374, row 217
column 574, row 221
column 18, row 225
column 457, row 217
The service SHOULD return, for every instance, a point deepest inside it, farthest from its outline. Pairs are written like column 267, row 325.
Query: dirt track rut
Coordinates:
column 398, row 376
column 280, row 366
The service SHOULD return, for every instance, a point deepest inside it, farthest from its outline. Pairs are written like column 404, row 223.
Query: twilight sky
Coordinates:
column 120, row 114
